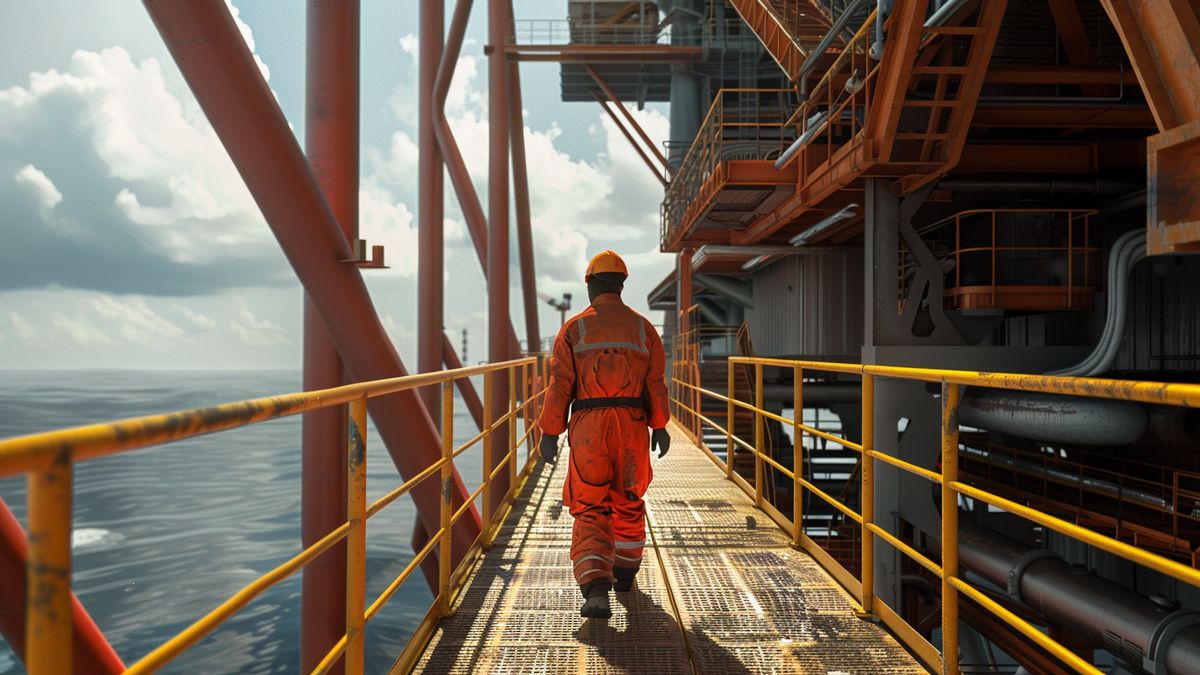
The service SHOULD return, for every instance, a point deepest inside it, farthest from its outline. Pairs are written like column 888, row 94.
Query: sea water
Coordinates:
column 162, row 535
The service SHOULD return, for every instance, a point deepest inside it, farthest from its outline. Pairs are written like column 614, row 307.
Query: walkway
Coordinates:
column 747, row 602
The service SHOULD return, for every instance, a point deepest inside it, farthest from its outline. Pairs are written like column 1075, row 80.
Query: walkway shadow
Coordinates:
column 616, row 647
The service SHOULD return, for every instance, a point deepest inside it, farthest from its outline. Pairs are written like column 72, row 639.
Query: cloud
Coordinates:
column 144, row 197
column 24, row 330
column 252, row 330
column 31, row 177
column 80, row 329
column 196, row 318
column 136, row 322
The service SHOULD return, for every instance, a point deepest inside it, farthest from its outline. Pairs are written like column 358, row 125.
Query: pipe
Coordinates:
column 823, row 46
column 881, row 16
column 500, row 345
column 1052, row 418
column 815, row 124
column 726, row 288
column 207, row 45
column 945, row 12
column 1092, row 484
column 332, row 147
column 1110, row 615
column 430, row 206
column 1127, row 251
column 848, row 212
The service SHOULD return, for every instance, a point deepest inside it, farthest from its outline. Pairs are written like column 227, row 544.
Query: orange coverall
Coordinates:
column 607, row 350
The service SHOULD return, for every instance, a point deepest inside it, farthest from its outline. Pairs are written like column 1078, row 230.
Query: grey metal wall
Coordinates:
column 1162, row 329
column 809, row 304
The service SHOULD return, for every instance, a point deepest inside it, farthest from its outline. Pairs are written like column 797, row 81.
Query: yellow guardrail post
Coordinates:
column 445, row 550
column 949, row 528
column 729, row 413
column 797, row 454
column 48, row 568
column 487, row 459
column 758, row 434
column 356, row 539
column 512, row 434
column 867, row 497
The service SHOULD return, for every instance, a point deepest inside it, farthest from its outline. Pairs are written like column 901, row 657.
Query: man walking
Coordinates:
column 608, row 369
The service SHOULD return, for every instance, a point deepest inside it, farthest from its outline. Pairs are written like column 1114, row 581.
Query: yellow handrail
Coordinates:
column 48, row 458
column 1185, row 395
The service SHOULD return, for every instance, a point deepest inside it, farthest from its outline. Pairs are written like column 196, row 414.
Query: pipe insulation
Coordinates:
column 1146, row 632
column 1071, row 420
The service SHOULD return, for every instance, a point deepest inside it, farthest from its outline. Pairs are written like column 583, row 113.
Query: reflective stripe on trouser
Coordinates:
column 608, row 472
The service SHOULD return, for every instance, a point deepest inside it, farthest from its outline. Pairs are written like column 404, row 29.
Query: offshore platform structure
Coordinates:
column 933, row 315
column 985, row 185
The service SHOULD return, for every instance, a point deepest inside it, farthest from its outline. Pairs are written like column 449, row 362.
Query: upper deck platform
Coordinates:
column 721, row 591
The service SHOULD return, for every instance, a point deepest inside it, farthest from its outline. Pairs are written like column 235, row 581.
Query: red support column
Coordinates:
column 331, row 144
column 520, row 181
column 499, row 322
column 430, row 240
column 684, row 299
column 204, row 41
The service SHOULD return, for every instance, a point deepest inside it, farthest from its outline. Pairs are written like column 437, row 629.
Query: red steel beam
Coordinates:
column 430, row 207
column 205, row 42
column 90, row 651
column 331, row 144
column 629, row 137
column 629, row 116
column 1163, row 41
column 500, row 346
column 684, row 299
column 460, row 177
column 520, row 175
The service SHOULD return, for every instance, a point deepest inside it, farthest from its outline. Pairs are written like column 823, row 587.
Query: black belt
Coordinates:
column 606, row 402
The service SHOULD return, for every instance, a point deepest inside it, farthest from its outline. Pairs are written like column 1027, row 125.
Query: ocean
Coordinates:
column 164, row 534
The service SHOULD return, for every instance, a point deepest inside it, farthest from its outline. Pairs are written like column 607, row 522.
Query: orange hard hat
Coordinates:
column 606, row 261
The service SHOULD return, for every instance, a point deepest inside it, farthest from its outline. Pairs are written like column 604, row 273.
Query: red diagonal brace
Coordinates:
column 608, row 92
column 90, row 651
column 629, row 137
column 206, row 44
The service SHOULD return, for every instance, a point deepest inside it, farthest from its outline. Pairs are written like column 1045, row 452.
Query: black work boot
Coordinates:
column 625, row 577
column 595, row 600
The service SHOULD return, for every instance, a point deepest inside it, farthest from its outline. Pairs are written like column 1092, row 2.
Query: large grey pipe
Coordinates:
column 1128, row 250
column 1131, row 626
column 1069, row 420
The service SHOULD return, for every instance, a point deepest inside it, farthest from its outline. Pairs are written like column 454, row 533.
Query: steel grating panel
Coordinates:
column 748, row 603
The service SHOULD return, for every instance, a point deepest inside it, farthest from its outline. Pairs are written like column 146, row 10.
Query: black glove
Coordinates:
column 549, row 448
column 660, row 441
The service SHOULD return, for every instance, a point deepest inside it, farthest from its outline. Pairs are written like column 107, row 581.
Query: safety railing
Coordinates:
column 741, row 124
column 1018, row 259
column 953, row 581
column 638, row 31
column 837, row 106
column 48, row 459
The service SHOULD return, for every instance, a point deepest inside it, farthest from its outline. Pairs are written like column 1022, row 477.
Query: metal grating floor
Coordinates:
column 747, row 602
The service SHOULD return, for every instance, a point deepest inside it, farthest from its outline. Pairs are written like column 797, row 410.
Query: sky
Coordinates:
column 127, row 239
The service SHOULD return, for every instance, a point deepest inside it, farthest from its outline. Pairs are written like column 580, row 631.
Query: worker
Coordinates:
column 608, row 370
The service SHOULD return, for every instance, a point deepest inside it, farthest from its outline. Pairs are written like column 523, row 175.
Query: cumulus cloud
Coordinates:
column 42, row 188
column 195, row 318
column 255, row 331
column 136, row 322
column 144, row 197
